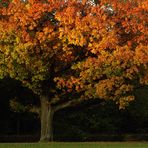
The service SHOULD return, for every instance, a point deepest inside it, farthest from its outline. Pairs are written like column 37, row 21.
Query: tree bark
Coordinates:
column 46, row 120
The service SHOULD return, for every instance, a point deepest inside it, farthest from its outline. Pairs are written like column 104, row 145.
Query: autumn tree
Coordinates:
column 69, row 51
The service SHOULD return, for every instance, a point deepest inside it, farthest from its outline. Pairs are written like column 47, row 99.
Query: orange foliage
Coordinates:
column 98, row 50
column 113, row 35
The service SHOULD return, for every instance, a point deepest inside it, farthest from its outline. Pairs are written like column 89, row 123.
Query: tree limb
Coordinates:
column 69, row 104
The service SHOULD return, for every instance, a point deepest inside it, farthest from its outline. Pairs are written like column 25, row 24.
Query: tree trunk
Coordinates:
column 18, row 123
column 46, row 120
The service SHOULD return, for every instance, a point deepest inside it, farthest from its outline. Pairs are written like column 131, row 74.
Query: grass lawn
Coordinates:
column 77, row 145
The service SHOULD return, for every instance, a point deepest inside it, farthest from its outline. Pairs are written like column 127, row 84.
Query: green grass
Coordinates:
column 77, row 145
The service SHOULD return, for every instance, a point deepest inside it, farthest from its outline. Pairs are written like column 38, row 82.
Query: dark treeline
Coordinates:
column 81, row 123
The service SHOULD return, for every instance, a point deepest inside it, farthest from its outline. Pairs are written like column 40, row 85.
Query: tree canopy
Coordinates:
column 100, row 50
column 113, row 37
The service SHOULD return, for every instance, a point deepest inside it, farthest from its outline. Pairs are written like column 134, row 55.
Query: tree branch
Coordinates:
column 68, row 104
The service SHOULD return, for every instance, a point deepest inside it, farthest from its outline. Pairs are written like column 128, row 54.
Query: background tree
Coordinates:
column 16, row 118
column 92, row 51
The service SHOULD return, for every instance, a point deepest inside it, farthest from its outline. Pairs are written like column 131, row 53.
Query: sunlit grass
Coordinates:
column 77, row 145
